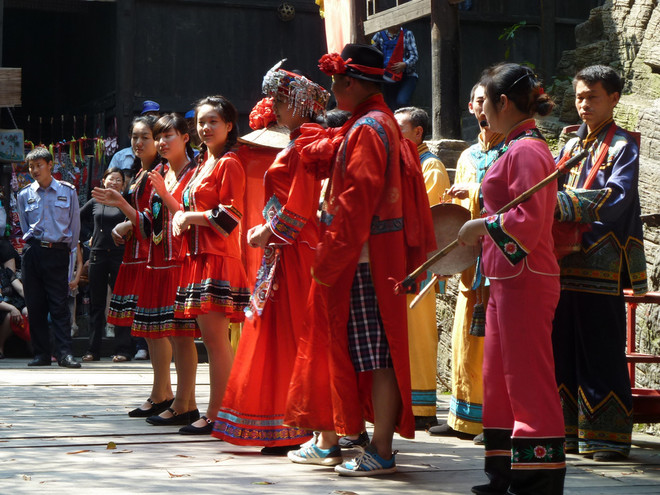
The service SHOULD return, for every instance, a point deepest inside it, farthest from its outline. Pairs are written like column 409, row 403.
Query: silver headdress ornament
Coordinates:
column 304, row 96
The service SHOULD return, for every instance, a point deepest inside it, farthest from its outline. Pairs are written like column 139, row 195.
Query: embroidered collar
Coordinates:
column 422, row 148
column 520, row 130
column 526, row 128
column 494, row 140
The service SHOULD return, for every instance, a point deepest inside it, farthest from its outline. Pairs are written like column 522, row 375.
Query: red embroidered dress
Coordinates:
column 213, row 277
column 253, row 408
column 154, row 314
column 136, row 251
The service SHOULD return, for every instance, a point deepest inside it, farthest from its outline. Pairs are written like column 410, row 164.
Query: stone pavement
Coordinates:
column 56, row 424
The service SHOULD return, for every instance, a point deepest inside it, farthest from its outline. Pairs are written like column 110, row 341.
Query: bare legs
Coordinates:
column 387, row 404
column 185, row 361
column 160, row 351
column 215, row 333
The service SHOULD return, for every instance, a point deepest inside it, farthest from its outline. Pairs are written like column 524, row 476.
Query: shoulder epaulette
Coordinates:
column 67, row 184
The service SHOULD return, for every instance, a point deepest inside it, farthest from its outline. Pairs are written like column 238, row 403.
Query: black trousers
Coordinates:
column 45, row 276
column 103, row 268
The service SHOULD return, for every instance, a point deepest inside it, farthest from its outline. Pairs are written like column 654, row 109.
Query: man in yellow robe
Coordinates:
column 464, row 419
column 422, row 327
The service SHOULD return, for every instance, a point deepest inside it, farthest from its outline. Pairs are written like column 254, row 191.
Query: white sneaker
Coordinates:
column 141, row 355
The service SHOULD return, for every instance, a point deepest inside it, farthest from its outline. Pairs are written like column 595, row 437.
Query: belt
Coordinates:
column 48, row 245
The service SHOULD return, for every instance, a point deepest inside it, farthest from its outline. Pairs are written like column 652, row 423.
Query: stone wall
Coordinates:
column 625, row 34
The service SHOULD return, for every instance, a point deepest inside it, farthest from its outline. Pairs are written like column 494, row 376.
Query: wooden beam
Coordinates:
column 125, row 68
column 445, row 67
column 359, row 16
column 548, row 35
column 2, row 10
column 407, row 12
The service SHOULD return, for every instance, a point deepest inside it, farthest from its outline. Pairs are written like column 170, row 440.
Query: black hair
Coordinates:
column 39, row 153
column 113, row 170
column 227, row 112
column 417, row 118
column 336, row 117
column 178, row 123
column 608, row 77
column 520, row 85
column 150, row 122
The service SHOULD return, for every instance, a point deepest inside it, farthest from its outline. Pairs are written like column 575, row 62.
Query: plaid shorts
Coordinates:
column 367, row 342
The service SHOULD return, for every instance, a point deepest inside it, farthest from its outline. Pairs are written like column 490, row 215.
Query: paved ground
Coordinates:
column 56, row 424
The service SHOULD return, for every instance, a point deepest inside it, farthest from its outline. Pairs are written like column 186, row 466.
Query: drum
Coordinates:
column 448, row 218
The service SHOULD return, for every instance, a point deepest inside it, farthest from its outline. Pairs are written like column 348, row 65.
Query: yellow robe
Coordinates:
column 422, row 327
column 465, row 408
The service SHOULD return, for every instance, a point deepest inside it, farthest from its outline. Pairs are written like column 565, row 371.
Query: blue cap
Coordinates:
column 189, row 114
column 150, row 106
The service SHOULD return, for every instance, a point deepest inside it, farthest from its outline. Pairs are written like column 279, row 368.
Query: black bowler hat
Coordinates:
column 366, row 56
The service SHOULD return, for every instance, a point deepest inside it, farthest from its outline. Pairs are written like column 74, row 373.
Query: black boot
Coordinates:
column 546, row 454
column 498, row 462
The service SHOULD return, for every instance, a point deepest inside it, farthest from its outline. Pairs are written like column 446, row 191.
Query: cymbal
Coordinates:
column 448, row 218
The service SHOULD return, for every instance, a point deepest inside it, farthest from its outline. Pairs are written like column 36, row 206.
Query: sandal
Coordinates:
column 89, row 357
column 119, row 359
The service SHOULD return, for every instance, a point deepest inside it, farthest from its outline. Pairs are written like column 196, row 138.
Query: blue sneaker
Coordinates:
column 309, row 453
column 367, row 463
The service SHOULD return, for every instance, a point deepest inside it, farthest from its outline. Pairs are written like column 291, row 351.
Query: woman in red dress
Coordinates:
column 213, row 286
column 252, row 412
column 154, row 313
column 131, row 273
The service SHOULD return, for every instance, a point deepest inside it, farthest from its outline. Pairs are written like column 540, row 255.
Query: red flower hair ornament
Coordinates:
column 262, row 114
column 332, row 63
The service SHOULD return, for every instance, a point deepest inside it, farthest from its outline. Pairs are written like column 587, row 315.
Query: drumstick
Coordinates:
column 409, row 281
column 424, row 291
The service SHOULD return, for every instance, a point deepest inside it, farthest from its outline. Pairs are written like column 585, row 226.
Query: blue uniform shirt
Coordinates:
column 123, row 159
column 51, row 214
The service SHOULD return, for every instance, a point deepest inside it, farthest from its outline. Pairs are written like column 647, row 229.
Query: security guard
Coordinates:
column 49, row 213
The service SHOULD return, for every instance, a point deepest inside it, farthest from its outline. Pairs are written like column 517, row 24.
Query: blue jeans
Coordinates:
column 398, row 94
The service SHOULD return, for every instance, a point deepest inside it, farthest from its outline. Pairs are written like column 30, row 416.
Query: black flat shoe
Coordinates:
column 68, row 362
column 608, row 456
column 488, row 490
column 155, row 409
column 39, row 362
column 282, row 450
column 190, row 429
column 176, row 419
column 349, row 443
column 444, row 430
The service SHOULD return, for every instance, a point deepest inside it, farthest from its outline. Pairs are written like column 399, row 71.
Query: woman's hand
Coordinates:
column 258, row 236
column 158, row 182
column 108, row 197
column 120, row 232
column 73, row 285
column 471, row 232
column 458, row 191
column 15, row 314
column 180, row 222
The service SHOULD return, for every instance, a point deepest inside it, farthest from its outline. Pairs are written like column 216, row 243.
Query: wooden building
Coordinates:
column 88, row 64
column 97, row 60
